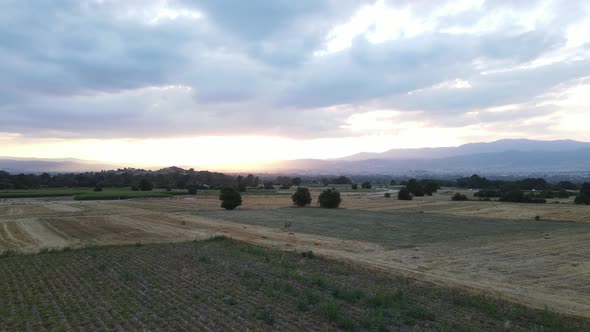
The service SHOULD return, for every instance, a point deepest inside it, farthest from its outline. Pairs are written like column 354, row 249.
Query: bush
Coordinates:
column 366, row 185
column 582, row 199
column 513, row 196
column 564, row 194
column 488, row 193
column 355, row 186
column 192, row 190
column 145, row 185
column 387, row 195
column 518, row 196
column 97, row 189
column 269, row 185
column 404, row 195
column 330, row 199
column 419, row 192
column 230, row 198
column 459, row 197
column 301, row 197
column 286, row 186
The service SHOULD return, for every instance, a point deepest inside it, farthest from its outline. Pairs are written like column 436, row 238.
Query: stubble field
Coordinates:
column 489, row 248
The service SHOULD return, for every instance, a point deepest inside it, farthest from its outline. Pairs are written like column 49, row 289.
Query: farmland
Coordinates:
column 222, row 284
column 490, row 248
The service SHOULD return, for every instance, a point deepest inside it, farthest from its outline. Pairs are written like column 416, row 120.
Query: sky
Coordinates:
column 220, row 82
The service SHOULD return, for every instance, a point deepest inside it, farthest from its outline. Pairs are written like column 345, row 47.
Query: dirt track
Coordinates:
column 550, row 270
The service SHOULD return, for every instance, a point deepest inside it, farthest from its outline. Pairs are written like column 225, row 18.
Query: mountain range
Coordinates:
column 509, row 157
column 514, row 156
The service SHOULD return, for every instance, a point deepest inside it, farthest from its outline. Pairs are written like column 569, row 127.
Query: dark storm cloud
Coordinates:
column 180, row 67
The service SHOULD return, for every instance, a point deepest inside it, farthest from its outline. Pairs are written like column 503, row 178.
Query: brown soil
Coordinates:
column 548, row 269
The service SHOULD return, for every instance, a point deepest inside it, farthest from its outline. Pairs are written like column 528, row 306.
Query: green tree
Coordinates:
column 301, row 197
column 366, row 185
column 192, row 190
column 459, row 197
column 230, row 198
column 404, row 195
column 296, row 181
column 330, row 199
column 145, row 185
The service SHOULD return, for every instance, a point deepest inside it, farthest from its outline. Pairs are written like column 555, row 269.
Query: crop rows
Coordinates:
column 222, row 284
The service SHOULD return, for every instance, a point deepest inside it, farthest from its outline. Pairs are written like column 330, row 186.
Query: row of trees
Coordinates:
column 231, row 198
column 173, row 178
column 477, row 182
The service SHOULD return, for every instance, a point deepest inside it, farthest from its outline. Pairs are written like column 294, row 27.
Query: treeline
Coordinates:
column 172, row 178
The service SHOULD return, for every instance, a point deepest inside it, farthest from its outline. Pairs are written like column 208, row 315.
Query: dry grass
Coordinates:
column 540, row 268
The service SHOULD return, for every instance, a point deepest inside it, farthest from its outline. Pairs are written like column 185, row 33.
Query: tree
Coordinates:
column 296, row 181
column 269, row 185
column 230, row 198
column 366, row 185
column 413, row 186
column 459, row 197
column 301, row 197
column 330, row 199
column 145, row 185
column 430, row 187
column 392, row 183
column 584, row 196
column 564, row 194
column 354, row 186
column 404, row 195
column 514, row 196
column 192, row 190
column 341, row 180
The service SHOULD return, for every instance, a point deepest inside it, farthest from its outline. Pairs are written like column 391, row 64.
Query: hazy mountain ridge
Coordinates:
column 472, row 148
column 41, row 165
column 508, row 157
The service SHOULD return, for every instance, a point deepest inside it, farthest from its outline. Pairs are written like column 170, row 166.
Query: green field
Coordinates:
column 390, row 229
column 221, row 284
column 49, row 192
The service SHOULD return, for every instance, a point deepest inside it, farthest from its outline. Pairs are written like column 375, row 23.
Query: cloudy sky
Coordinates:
column 198, row 82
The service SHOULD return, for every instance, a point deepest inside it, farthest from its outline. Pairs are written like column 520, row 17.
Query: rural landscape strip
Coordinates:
column 222, row 283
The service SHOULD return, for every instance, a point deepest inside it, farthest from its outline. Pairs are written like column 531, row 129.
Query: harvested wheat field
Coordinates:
column 536, row 263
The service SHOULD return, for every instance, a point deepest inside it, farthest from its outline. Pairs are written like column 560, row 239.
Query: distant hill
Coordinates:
column 504, row 157
column 501, row 157
column 34, row 165
column 473, row 148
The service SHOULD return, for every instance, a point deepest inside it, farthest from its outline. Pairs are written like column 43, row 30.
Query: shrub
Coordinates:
column 582, row 199
column 145, row 185
column 514, row 196
column 330, row 199
column 230, row 198
column 286, row 186
column 355, row 186
column 518, row 196
column 269, row 185
column 387, row 195
column 488, row 193
column 192, row 190
column 301, row 197
column 564, row 194
column 97, row 189
column 459, row 197
column 404, row 195
column 366, row 185
column 419, row 192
